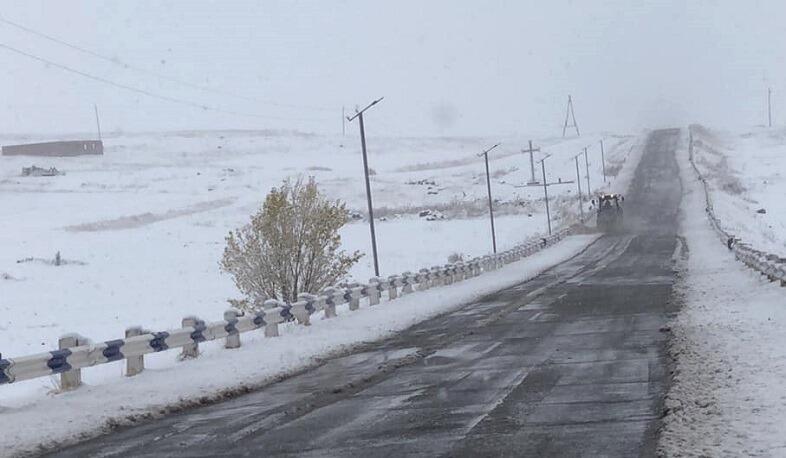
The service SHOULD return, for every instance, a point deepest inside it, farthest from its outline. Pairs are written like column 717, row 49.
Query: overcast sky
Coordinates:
column 444, row 67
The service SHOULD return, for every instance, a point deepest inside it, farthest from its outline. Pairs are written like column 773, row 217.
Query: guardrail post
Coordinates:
column 352, row 299
column 329, row 305
column 304, row 317
column 424, row 280
column 134, row 364
column 455, row 273
column 72, row 378
column 435, row 276
column 407, row 279
column 447, row 270
column 233, row 339
column 191, row 350
column 393, row 291
column 373, row 291
column 271, row 330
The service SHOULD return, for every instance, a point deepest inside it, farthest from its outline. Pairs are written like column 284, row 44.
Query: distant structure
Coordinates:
column 569, row 115
column 56, row 149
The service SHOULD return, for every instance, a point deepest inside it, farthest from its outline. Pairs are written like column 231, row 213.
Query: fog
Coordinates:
column 444, row 67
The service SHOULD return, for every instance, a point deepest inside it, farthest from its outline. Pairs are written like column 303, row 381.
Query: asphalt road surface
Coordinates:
column 571, row 363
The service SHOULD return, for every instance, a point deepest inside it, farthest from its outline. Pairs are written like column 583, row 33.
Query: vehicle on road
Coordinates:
column 609, row 212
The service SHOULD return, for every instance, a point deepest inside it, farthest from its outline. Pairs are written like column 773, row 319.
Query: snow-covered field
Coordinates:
column 728, row 396
column 746, row 173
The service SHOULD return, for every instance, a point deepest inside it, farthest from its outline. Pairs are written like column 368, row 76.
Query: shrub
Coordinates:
column 455, row 257
column 290, row 246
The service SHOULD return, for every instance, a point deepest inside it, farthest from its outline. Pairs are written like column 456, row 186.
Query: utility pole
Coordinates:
column 98, row 122
column 546, row 191
column 586, row 164
column 578, row 182
column 531, row 150
column 485, row 155
column 343, row 123
column 769, row 106
column 570, row 115
column 603, row 160
column 359, row 115
column 546, row 185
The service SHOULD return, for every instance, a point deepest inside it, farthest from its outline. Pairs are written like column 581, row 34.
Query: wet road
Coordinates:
column 572, row 363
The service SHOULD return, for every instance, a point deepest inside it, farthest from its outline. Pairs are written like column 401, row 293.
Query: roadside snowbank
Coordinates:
column 727, row 397
column 168, row 384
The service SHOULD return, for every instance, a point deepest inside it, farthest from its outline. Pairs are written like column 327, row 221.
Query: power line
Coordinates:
column 128, row 66
column 146, row 92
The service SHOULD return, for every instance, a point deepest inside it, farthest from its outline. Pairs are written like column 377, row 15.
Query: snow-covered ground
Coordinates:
column 728, row 396
column 746, row 173
column 142, row 228
column 166, row 383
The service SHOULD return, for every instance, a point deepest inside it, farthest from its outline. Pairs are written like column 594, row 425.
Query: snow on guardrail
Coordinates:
column 76, row 352
column 770, row 265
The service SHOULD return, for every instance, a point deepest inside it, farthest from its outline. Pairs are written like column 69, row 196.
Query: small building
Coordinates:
column 56, row 149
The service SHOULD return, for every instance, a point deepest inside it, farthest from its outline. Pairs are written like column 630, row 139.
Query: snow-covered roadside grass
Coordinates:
column 746, row 174
column 169, row 384
column 728, row 396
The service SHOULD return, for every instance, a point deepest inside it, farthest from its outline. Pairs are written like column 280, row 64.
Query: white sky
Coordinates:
column 444, row 67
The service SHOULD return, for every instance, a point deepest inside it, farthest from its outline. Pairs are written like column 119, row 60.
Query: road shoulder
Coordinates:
column 726, row 394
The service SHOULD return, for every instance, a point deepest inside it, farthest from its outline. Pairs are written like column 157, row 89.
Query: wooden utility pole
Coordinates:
column 546, row 192
column 578, row 182
column 569, row 115
column 603, row 159
column 531, row 150
column 546, row 185
column 98, row 122
column 485, row 155
column 586, row 164
column 359, row 115
column 343, row 123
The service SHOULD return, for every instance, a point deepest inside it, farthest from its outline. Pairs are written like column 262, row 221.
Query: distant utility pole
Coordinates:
column 485, row 155
column 586, row 164
column 546, row 185
column 569, row 115
column 603, row 159
column 531, row 150
column 578, row 182
column 769, row 107
column 343, row 123
column 359, row 115
column 98, row 122
column 546, row 191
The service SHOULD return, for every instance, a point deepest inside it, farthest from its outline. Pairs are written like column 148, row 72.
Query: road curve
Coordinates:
column 571, row 363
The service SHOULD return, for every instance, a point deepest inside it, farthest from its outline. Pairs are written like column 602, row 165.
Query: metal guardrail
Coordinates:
column 76, row 352
column 770, row 265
